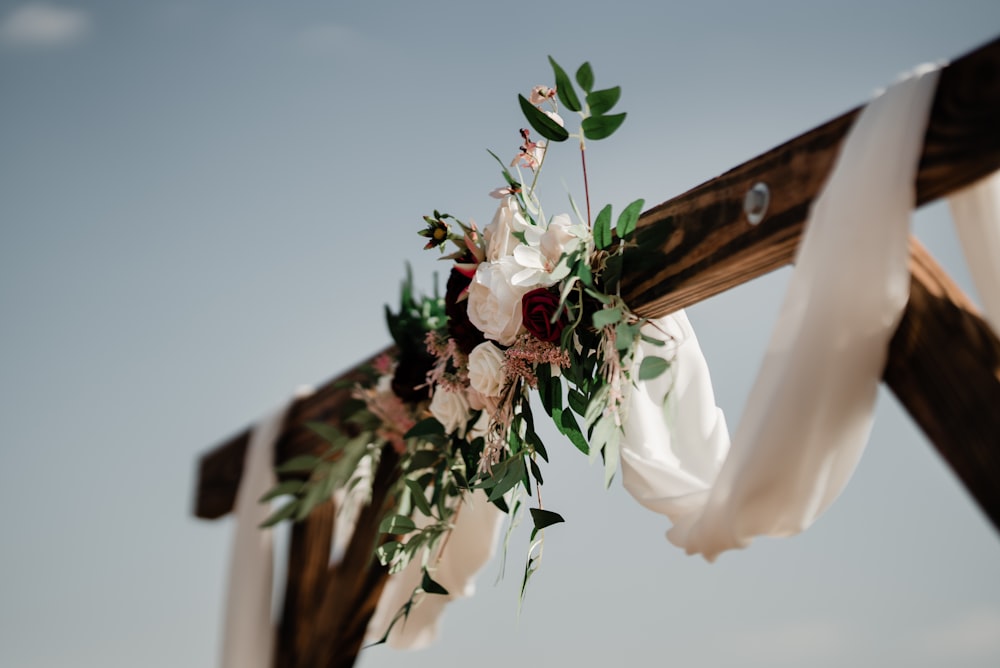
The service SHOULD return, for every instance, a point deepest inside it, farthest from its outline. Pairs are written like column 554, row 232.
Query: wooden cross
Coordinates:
column 943, row 363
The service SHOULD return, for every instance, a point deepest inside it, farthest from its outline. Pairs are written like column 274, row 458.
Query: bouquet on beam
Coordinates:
column 532, row 303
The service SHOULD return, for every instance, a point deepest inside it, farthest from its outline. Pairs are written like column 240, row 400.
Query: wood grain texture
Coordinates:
column 944, row 367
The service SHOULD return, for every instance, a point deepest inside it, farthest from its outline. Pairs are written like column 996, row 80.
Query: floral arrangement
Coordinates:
column 532, row 303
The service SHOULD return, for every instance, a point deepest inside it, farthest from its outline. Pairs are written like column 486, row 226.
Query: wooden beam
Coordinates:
column 944, row 367
column 699, row 244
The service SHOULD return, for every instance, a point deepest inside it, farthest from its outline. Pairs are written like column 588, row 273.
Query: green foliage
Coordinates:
column 601, row 127
column 564, row 87
column 542, row 124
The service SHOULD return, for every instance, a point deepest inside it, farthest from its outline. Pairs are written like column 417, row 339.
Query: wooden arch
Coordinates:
column 943, row 364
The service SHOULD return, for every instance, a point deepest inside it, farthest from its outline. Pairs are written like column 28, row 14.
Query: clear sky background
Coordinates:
column 205, row 204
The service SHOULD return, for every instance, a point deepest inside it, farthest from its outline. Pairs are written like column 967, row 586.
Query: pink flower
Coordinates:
column 540, row 94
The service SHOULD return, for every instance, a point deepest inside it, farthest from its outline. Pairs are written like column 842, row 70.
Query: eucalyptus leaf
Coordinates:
column 598, row 402
column 417, row 494
column 397, row 525
column 569, row 427
column 386, row 552
column 282, row 489
column 652, row 367
column 327, row 432
column 628, row 218
column 602, row 228
column 601, row 127
column 298, row 464
column 601, row 101
column 315, row 495
column 607, row 316
column 585, row 77
column 282, row 513
column 564, row 87
column 542, row 124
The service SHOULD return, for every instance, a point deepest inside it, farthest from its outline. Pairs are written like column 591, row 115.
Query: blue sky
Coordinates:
column 205, row 204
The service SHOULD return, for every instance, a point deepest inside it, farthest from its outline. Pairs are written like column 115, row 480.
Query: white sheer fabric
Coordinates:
column 470, row 547
column 248, row 632
column 809, row 413
column 976, row 211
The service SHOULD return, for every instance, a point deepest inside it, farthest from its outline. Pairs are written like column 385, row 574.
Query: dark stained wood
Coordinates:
column 305, row 581
column 700, row 244
column 944, row 367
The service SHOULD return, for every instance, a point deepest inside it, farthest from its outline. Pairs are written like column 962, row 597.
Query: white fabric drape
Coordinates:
column 471, row 545
column 248, row 632
column 809, row 413
column 976, row 211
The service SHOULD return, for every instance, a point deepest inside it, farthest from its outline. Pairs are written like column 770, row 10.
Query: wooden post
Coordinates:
column 944, row 361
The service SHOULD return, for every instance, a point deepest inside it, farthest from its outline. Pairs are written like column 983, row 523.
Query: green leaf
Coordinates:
column 602, row 228
column 282, row 513
column 652, row 367
column 611, row 456
column 536, row 472
column 386, row 552
column 564, row 87
column 598, row 402
column 607, row 316
column 542, row 124
column 283, row 489
column 652, row 340
column 585, row 77
column 417, row 494
column 577, row 401
column 628, row 218
column 625, row 336
column 601, row 101
column 544, row 518
column 327, row 432
column 315, row 495
column 423, row 459
column 396, row 524
column 600, row 127
column 299, row 464
column 426, row 427
column 569, row 427
column 432, row 587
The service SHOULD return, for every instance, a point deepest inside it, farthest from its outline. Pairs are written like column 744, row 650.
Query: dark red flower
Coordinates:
column 537, row 309
column 464, row 332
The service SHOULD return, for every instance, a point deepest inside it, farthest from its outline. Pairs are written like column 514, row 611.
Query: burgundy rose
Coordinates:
column 464, row 332
column 537, row 308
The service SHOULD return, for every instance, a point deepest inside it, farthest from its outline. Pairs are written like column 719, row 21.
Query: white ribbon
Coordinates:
column 248, row 633
column 976, row 211
column 810, row 410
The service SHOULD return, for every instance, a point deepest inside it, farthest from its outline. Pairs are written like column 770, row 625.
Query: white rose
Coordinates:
column 500, row 239
column 486, row 369
column 451, row 410
column 494, row 304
